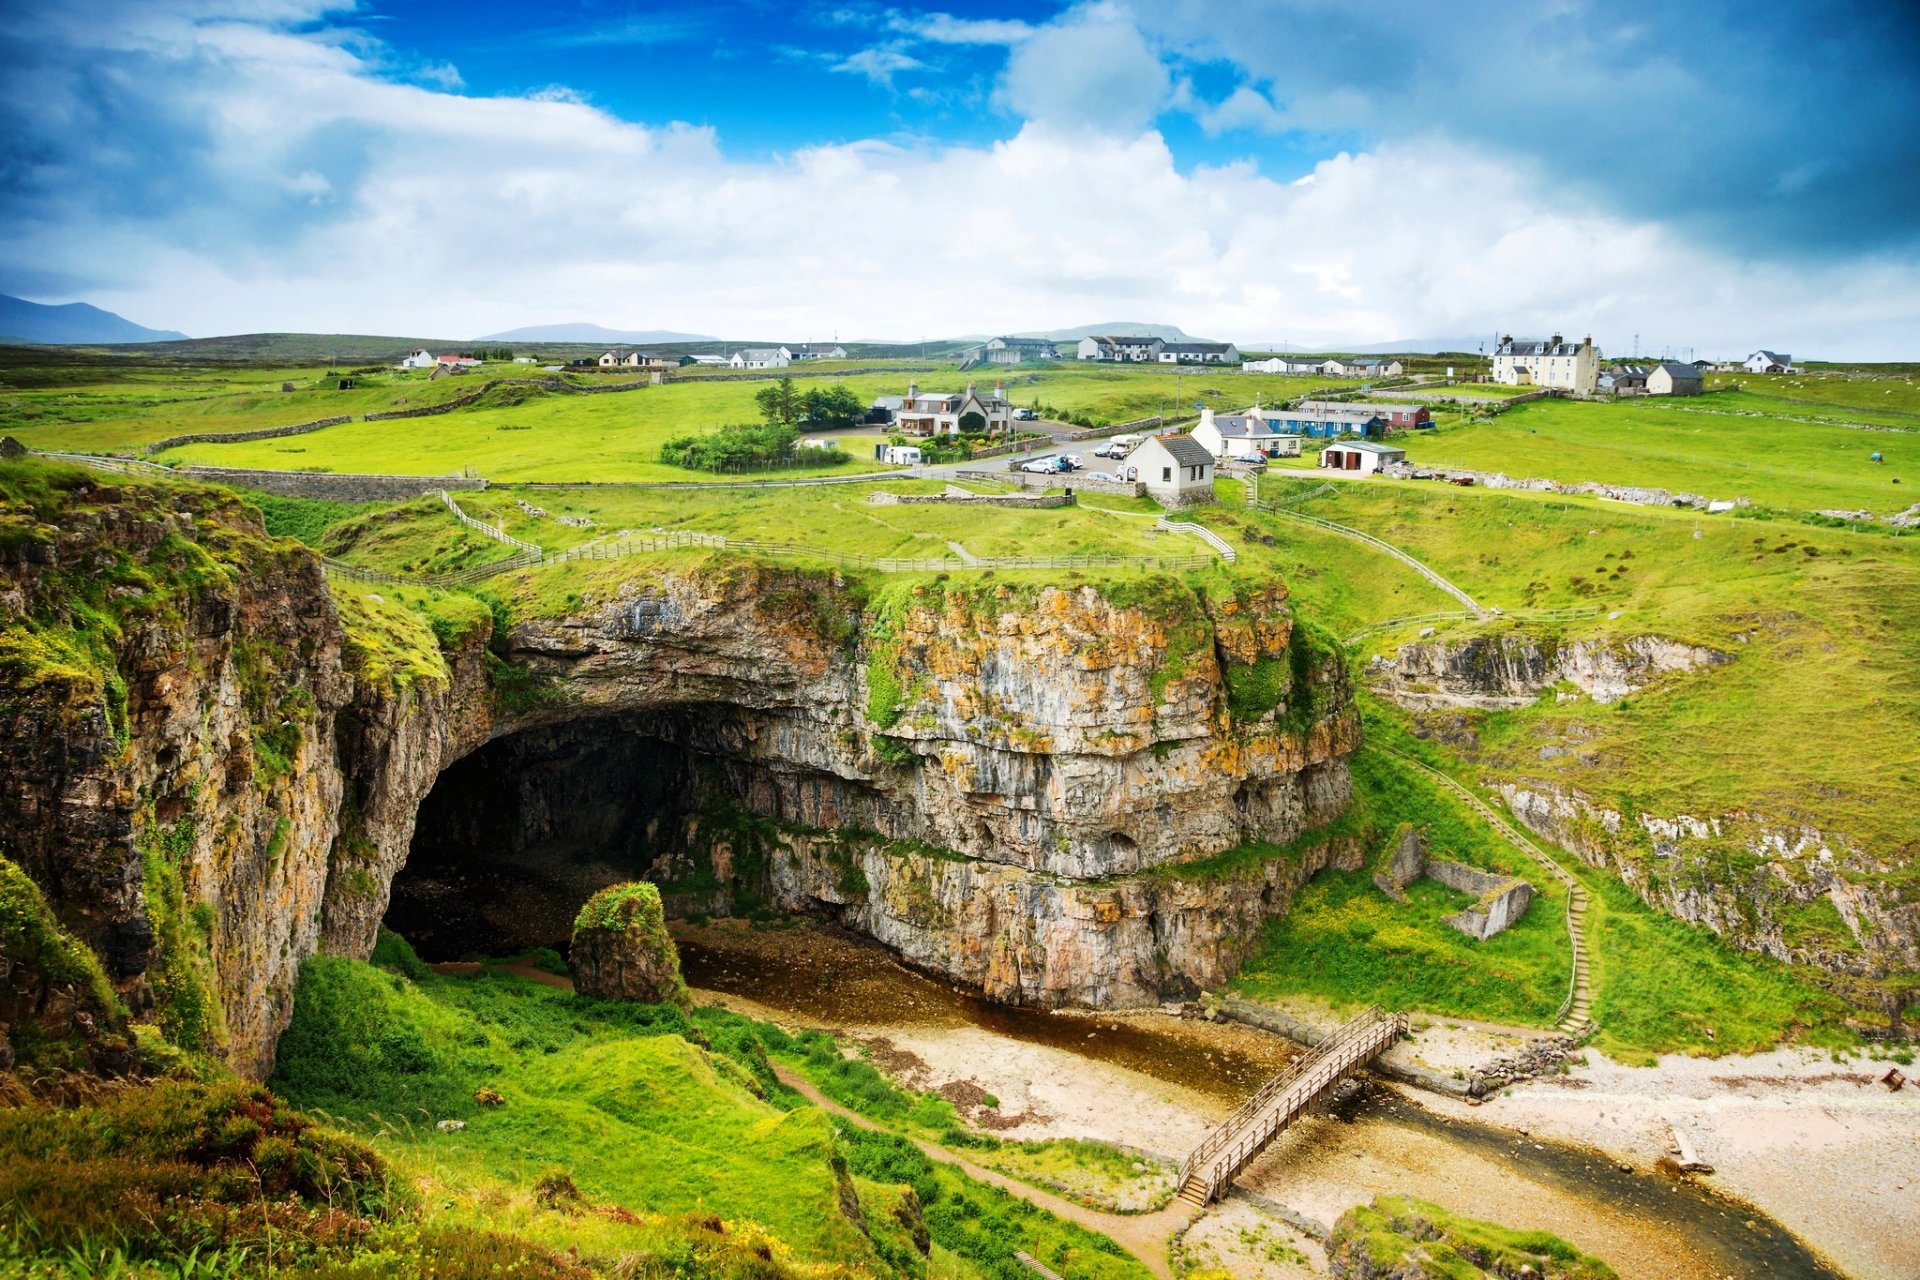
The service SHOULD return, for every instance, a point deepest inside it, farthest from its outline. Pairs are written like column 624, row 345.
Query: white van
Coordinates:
column 1126, row 442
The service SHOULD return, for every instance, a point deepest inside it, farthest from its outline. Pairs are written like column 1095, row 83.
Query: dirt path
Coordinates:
column 1144, row 1235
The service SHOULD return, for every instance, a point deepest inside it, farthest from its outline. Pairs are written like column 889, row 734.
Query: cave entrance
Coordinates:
column 516, row 835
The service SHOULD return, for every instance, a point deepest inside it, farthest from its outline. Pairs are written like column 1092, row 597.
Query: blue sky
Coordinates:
column 1710, row 176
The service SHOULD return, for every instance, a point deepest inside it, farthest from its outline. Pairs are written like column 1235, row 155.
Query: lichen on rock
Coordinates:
column 621, row 949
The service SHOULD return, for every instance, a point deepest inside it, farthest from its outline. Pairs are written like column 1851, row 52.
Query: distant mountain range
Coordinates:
column 1117, row 329
column 592, row 333
column 76, row 322
column 1400, row 347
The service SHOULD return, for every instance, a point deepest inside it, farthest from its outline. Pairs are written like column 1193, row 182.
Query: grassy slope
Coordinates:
column 1824, row 625
column 1723, row 446
column 629, row 1103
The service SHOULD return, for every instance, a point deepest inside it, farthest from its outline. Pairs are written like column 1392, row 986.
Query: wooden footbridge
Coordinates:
column 1245, row 1134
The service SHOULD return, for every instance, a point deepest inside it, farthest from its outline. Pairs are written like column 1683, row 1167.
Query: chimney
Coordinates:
column 1206, row 419
column 1000, row 390
column 913, row 391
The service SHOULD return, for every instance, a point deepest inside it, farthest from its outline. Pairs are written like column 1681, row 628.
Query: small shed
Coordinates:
column 1672, row 379
column 1177, row 470
column 1362, row 456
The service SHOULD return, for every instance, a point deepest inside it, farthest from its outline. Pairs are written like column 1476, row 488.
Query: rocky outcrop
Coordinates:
column 621, row 950
column 212, row 775
column 1783, row 889
column 1511, row 669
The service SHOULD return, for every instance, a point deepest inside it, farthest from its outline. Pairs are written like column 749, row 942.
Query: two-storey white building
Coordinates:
column 1556, row 362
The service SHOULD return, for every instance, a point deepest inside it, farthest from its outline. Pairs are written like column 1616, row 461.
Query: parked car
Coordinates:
column 1025, row 415
column 1042, row 466
column 1072, row 461
column 1110, row 449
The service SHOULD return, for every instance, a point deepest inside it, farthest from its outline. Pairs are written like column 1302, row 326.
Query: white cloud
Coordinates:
column 879, row 64
column 1244, row 108
column 1091, row 69
column 452, row 216
column 944, row 28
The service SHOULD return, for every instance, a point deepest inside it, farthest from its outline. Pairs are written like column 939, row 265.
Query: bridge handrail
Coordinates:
column 1335, row 1048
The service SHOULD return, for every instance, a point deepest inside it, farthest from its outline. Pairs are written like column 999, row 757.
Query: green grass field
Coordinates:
column 1726, row 446
column 645, row 1107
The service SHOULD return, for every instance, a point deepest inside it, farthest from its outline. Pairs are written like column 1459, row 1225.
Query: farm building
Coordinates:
column 1362, row 456
column 704, row 362
column 1670, row 379
column 1623, row 380
column 1571, row 366
column 1283, row 364
column 1176, row 470
column 1397, row 416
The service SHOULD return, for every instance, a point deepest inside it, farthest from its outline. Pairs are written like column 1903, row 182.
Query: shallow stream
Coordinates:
column 1647, row 1225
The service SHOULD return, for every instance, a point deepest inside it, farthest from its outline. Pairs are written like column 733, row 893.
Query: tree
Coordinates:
column 972, row 422
column 834, row 406
column 780, row 403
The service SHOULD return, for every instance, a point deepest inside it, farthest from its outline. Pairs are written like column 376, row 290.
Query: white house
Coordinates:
column 1123, row 350
column 1362, row 456
column 929, row 413
column 1176, row 470
column 456, row 362
column 422, row 359
column 1671, row 379
column 1198, row 353
column 1014, row 350
column 816, row 351
column 761, row 358
column 1242, row 435
column 1769, row 362
column 1570, row 366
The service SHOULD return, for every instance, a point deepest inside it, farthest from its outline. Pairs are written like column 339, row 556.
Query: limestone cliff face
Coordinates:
column 211, row 776
column 1511, row 669
column 169, row 682
column 1781, row 888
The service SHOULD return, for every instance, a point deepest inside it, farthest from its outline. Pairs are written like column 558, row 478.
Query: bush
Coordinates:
column 744, row 448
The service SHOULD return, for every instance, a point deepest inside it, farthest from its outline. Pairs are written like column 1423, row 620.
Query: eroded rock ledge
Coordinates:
column 230, row 780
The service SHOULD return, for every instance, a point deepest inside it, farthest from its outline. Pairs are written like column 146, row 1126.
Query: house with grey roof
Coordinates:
column 1769, row 362
column 1198, row 353
column 1176, row 470
column 761, row 358
column 1669, row 378
column 1243, row 436
column 1554, row 362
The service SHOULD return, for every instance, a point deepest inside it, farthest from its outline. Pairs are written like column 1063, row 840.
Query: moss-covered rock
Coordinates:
column 56, row 1007
column 621, row 948
column 1399, row 1238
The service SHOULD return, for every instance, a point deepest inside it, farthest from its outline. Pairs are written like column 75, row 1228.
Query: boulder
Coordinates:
column 621, row 949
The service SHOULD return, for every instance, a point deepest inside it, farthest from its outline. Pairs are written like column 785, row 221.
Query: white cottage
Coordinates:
column 1176, row 470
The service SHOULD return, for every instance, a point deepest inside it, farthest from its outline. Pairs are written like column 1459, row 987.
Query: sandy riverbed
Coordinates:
column 1828, row 1153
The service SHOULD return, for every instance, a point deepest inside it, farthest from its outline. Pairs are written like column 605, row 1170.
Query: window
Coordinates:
column 1166, row 475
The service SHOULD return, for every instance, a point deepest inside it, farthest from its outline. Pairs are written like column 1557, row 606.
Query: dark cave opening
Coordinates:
column 515, row 836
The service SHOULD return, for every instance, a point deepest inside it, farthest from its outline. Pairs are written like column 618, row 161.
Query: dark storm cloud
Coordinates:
column 1774, row 130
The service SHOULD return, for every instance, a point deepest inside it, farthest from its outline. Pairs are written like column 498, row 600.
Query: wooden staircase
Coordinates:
column 1575, row 1017
column 1282, row 1100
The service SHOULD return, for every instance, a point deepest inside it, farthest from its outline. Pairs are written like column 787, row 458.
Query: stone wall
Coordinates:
column 328, row 486
column 235, row 437
column 1041, row 500
column 1503, row 899
column 1639, row 495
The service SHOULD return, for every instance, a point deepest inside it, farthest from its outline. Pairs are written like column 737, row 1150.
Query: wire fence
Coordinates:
column 489, row 530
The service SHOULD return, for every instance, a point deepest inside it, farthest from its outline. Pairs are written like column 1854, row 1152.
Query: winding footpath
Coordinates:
column 1575, row 1017
column 1144, row 1235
